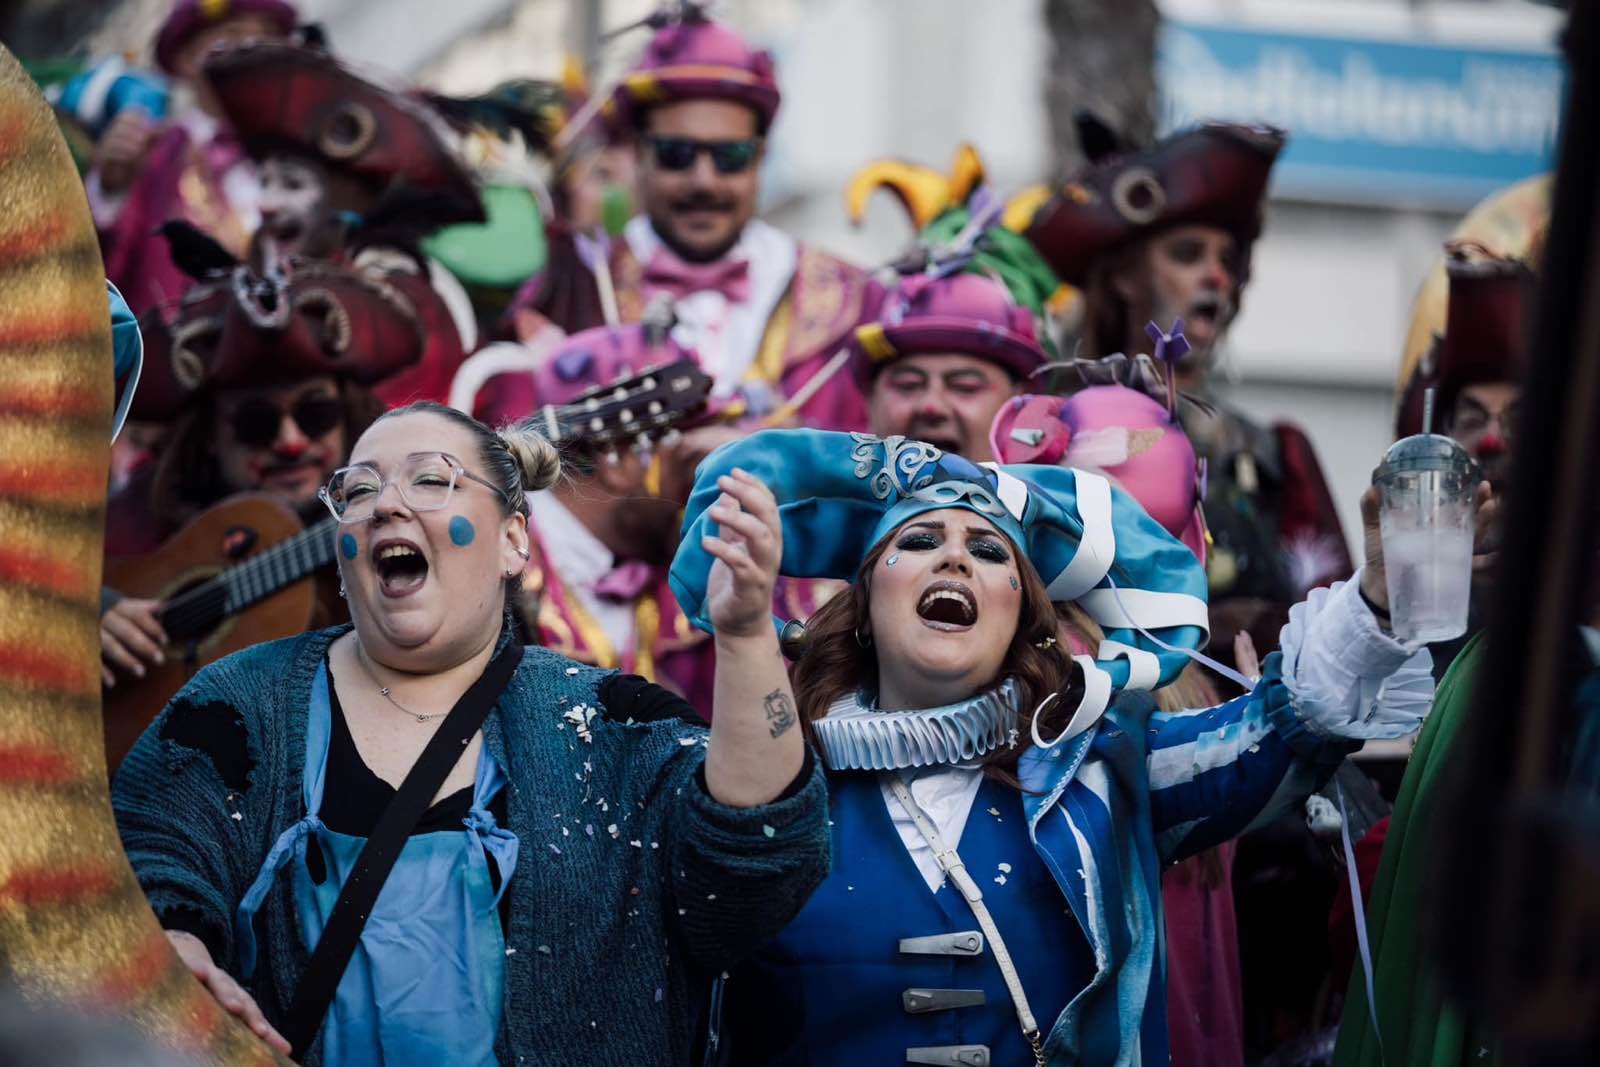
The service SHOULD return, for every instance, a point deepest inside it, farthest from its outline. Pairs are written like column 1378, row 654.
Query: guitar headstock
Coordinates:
column 637, row 410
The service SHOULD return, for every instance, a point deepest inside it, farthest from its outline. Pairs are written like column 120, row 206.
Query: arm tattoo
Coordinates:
column 780, row 712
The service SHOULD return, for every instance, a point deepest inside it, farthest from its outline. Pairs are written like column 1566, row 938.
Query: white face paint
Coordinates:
column 293, row 201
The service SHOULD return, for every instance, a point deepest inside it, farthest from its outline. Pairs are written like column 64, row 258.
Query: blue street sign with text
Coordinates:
column 1370, row 121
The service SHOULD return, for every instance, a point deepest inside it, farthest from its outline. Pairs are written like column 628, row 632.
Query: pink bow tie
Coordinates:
column 625, row 581
column 667, row 273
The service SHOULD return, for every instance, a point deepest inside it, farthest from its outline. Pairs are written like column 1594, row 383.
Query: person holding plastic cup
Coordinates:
column 964, row 743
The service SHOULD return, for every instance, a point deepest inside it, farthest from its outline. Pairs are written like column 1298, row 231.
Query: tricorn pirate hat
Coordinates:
column 1215, row 174
column 279, row 96
column 243, row 329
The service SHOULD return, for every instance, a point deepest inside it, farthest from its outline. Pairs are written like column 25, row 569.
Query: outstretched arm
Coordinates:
column 756, row 748
column 1338, row 680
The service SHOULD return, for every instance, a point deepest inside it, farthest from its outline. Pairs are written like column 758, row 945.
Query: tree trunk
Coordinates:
column 1103, row 55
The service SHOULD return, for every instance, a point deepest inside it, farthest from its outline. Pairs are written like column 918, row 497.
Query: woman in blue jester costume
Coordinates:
column 1000, row 807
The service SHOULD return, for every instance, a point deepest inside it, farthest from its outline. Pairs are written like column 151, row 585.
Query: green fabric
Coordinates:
column 613, row 936
column 1420, row 1028
column 1009, row 256
column 501, row 253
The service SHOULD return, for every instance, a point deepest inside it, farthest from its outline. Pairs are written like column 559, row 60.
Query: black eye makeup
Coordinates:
column 917, row 541
column 989, row 550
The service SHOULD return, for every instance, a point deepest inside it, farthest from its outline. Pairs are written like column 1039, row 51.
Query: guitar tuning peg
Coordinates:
column 642, row 446
column 612, row 457
column 671, row 438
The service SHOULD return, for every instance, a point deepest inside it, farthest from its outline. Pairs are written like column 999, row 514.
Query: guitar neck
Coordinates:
column 195, row 611
column 633, row 411
column 281, row 565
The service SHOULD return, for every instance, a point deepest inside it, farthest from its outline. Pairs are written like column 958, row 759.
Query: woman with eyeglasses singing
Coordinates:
column 1001, row 802
column 414, row 841
column 249, row 390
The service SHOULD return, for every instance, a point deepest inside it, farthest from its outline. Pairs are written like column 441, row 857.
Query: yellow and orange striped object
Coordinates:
column 74, row 926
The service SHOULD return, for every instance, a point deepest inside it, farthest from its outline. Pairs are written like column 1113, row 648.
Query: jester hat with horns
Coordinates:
column 840, row 494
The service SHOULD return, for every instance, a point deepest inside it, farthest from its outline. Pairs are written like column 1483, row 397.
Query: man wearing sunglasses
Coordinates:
column 763, row 311
column 265, row 382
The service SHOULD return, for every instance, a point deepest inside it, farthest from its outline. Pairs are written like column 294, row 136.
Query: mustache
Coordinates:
column 702, row 200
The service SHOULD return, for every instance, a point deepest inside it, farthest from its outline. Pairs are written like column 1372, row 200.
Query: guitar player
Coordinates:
column 259, row 401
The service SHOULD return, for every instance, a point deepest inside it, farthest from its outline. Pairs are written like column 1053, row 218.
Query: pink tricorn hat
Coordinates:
column 968, row 314
column 1116, row 431
column 696, row 59
column 189, row 17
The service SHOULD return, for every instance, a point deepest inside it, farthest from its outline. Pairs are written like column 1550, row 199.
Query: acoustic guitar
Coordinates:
column 240, row 573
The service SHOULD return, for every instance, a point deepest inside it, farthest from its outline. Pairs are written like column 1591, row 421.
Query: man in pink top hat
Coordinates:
column 763, row 311
column 946, row 354
column 187, row 164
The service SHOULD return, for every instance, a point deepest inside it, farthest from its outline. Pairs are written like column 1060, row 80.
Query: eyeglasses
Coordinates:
column 256, row 422
column 729, row 157
column 425, row 481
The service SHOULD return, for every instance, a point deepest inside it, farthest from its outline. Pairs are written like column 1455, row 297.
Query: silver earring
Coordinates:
column 341, row 588
column 863, row 637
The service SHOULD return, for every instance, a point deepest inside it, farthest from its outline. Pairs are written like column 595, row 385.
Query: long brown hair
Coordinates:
column 836, row 664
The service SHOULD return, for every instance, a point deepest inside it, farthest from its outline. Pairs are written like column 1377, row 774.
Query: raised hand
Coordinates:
column 122, row 148
column 1485, row 544
column 748, row 547
column 755, row 750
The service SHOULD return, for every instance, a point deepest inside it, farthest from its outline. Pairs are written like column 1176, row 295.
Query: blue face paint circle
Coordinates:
column 891, row 561
column 461, row 531
column 347, row 545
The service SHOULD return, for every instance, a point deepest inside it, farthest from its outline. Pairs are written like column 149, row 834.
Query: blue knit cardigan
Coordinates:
column 634, row 887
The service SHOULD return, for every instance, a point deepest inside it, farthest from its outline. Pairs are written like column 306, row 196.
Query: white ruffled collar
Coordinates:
column 856, row 736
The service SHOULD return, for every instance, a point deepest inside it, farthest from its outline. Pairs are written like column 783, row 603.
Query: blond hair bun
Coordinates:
column 533, row 454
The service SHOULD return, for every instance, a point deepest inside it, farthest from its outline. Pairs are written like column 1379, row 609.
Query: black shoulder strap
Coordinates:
column 360, row 893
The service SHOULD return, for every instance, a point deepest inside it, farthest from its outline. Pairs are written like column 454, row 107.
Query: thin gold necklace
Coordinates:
column 383, row 690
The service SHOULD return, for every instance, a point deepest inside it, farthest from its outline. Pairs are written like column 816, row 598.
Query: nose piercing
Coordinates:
column 891, row 561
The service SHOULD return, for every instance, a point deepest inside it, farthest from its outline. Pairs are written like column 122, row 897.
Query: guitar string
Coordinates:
column 194, row 605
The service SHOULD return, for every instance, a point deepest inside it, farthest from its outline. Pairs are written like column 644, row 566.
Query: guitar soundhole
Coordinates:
column 238, row 541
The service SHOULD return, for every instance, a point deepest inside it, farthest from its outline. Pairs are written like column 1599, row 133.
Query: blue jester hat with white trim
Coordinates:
column 840, row 494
